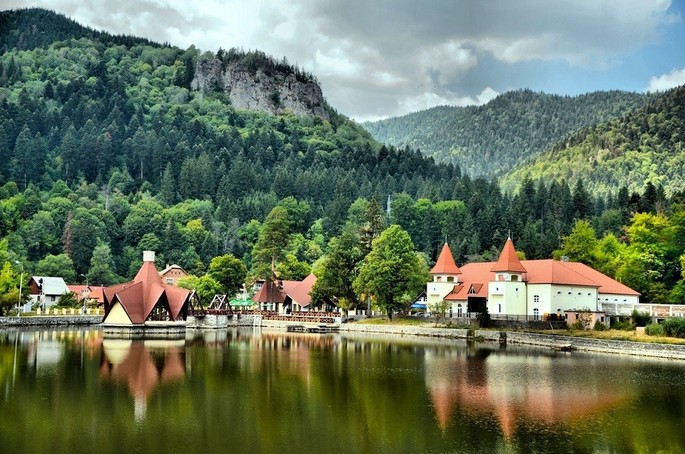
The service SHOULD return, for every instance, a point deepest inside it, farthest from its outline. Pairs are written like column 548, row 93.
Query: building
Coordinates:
column 172, row 273
column 88, row 293
column 46, row 291
column 286, row 296
column 145, row 301
column 532, row 289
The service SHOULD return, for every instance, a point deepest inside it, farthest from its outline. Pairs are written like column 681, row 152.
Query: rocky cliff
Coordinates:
column 271, row 92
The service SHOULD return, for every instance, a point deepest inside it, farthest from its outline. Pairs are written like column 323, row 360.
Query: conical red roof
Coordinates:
column 508, row 260
column 445, row 263
column 140, row 296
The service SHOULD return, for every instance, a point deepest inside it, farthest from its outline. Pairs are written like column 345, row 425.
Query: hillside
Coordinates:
column 645, row 146
column 106, row 124
column 490, row 139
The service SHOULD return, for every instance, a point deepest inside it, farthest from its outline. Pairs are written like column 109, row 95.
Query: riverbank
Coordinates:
column 551, row 341
column 503, row 337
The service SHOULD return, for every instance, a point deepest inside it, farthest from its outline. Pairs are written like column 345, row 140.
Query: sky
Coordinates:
column 383, row 58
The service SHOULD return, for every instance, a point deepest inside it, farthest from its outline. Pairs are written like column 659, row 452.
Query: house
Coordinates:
column 46, row 291
column 172, row 273
column 89, row 293
column 286, row 296
column 145, row 301
column 535, row 289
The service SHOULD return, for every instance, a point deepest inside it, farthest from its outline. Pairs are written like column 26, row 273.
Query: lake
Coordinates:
column 261, row 391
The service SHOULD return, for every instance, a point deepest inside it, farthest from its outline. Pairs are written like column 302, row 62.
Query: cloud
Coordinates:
column 667, row 81
column 384, row 57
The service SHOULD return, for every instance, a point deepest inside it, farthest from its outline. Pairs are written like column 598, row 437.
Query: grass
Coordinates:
column 613, row 334
column 403, row 321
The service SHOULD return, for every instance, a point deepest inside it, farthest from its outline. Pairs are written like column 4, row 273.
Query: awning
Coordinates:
column 241, row 302
column 418, row 306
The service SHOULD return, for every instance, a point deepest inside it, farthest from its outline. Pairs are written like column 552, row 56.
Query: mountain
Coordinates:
column 112, row 125
column 489, row 140
column 643, row 147
column 255, row 81
column 32, row 28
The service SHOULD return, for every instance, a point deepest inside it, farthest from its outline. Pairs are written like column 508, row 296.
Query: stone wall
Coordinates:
column 459, row 333
column 51, row 320
column 599, row 345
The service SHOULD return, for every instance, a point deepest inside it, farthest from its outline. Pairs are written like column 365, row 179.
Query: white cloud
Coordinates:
column 428, row 100
column 667, row 81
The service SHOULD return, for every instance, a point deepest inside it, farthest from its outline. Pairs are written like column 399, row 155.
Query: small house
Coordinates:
column 46, row 290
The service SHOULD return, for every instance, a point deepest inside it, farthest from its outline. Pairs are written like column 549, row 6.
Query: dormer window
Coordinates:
column 514, row 277
column 450, row 278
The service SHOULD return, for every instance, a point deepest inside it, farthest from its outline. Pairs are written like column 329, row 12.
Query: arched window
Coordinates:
column 536, row 314
column 460, row 312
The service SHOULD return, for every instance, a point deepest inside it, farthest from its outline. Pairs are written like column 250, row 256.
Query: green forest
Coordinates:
column 105, row 151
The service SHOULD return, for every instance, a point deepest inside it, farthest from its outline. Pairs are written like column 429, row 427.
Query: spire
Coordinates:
column 445, row 263
column 508, row 260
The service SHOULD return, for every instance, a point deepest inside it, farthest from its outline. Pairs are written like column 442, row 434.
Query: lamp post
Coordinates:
column 21, row 282
column 83, row 309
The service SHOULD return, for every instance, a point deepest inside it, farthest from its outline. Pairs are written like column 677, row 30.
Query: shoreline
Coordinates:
column 502, row 337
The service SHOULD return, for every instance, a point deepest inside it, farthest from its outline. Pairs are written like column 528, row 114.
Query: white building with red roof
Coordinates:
column 532, row 288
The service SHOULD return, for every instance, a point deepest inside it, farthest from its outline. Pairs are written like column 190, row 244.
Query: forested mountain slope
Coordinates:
column 645, row 146
column 490, row 139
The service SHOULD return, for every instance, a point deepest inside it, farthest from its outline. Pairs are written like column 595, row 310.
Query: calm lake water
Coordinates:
column 252, row 391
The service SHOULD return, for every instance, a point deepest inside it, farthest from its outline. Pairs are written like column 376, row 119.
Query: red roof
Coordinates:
column 508, row 260
column 140, row 296
column 445, row 263
column 541, row 272
column 90, row 291
column 297, row 291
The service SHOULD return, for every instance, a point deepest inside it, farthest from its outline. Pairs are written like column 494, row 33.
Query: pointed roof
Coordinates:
column 508, row 260
column 445, row 263
column 139, row 297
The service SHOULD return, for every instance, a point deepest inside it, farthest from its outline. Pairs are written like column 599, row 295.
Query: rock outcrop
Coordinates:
column 272, row 93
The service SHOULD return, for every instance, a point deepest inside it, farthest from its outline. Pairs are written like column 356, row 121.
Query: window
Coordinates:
column 536, row 313
column 536, row 299
column 450, row 279
column 459, row 310
column 500, row 308
column 52, row 297
column 169, row 280
column 514, row 277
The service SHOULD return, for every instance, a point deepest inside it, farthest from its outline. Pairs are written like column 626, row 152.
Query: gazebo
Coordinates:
column 145, row 302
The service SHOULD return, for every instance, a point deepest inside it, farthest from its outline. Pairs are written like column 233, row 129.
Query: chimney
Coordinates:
column 148, row 256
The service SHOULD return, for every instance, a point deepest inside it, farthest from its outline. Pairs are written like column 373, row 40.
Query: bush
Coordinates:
column 599, row 326
column 623, row 325
column 654, row 329
column 641, row 318
column 674, row 327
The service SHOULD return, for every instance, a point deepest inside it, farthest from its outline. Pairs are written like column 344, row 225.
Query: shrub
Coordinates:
column 623, row 325
column 654, row 329
column 641, row 318
column 599, row 326
column 674, row 327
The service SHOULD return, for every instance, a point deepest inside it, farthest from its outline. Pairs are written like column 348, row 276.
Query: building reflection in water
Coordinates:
column 490, row 386
column 142, row 366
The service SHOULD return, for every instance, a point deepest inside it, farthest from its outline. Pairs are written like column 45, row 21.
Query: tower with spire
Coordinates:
column 507, row 292
column 445, row 275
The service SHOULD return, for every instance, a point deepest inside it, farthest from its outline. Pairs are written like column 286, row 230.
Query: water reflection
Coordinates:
column 141, row 366
column 281, row 392
column 517, row 388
